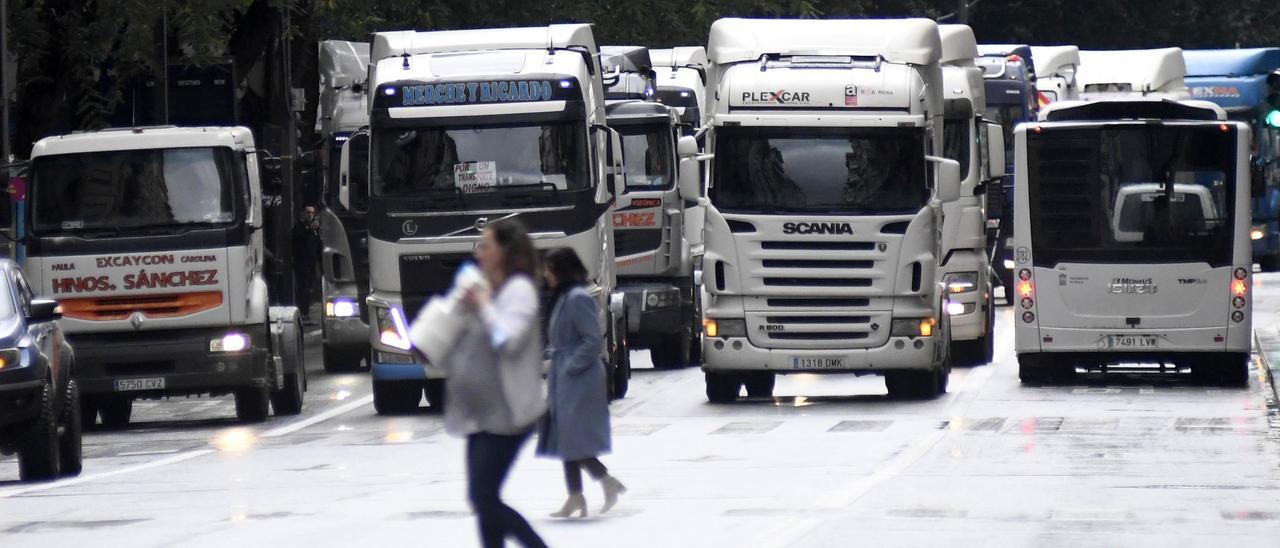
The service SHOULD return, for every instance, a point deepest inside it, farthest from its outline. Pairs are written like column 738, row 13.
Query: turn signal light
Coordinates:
column 1241, row 273
column 926, row 327
column 1025, row 290
column 1028, row 303
column 1238, row 288
column 710, row 328
column 1237, row 302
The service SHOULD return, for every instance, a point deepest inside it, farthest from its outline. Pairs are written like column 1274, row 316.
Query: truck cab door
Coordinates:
column 348, row 190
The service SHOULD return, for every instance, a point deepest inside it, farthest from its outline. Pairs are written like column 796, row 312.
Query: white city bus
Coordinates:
column 1132, row 240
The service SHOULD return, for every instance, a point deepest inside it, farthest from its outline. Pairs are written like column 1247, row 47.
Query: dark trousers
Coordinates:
column 489, row 459
column 573, row 473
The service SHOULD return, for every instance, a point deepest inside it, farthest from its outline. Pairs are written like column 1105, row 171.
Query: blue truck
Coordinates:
column 1241, row 81
column 1010, row 78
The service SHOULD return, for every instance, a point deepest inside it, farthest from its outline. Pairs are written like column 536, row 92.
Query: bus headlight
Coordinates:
column 960, row 282
column 723, row 328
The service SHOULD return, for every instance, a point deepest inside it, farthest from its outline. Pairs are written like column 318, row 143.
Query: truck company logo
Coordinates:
column 139, row 280
column 851, row 96
column 772, row 328
column 521, row 91
column 634, row 220
column 1132, row 286
column 1192, row 281
column 409, row 228
column 640, row 203
column 817, row 228
column 1215, row 92
column 780, row 97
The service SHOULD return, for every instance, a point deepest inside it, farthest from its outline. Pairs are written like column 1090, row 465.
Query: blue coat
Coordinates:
column 577, row 425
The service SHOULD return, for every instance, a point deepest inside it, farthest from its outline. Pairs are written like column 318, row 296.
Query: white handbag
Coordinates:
column 440, row 323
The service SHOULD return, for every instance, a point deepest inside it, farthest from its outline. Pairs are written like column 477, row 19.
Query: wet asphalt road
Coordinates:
column 830, row 461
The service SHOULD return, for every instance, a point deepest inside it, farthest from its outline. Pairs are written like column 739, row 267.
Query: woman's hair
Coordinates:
column 567, row 267
column 518, row 254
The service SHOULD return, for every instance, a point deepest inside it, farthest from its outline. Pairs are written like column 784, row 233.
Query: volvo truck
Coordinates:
column 824, row 221
column 1010, row 76
column 1244, row 83
column 978, row 146
column 472, row 127
column 1132, row 241
column 344, row 259
column 655, row 271
column 152, row 241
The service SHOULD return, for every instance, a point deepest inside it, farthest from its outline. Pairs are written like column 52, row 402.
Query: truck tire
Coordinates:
column 88, row 412
column 760, row 384
column 671, row 352
column 396, row 397
column 434, row 390
column 253, row 404
column 287, row 400
column 915, row 385
column 38, row 458
column 70, row 443
column 342, row 360
column 115, row 411
column 619, row 360
column 723, row 387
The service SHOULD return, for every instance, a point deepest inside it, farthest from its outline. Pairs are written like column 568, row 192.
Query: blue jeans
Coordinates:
column 489, row 459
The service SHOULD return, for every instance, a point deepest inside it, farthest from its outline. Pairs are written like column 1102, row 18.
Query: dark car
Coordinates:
column 39, row 402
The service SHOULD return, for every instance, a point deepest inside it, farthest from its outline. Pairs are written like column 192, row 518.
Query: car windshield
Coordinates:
column 1132, row 193
column 480, row 159
column 819, row 170
column 649, row 156
column 130, row 189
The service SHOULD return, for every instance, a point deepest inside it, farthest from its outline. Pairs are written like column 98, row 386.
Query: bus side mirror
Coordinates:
column 690, row 170
column 995, row 150
column 948, row 173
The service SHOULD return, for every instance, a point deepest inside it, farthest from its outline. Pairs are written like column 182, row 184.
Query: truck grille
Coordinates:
column 423, row 276
column 778, row 330
column 151, row 306
column 817, row 246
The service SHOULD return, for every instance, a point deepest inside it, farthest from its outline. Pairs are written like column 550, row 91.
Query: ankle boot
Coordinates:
column 612, row 488
column 576, row 504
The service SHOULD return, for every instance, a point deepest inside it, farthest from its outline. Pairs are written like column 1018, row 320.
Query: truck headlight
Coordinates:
column 960, row 282
column 231, row 342
column 912, row 327
column 715, row 327
column 661, row 298
column 393, row 331
column 341, row 308
column 10, row 359
column 1258, row 233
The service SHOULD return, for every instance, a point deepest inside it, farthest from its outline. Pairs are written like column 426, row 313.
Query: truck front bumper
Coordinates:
column 971, row 322
column 181, row 357
column 350, row 332
column 738, row 354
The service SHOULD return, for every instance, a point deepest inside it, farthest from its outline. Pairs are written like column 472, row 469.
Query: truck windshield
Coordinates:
column 1132, row 194
column 131, row 189
column 819, row 170
column 480, row 159
column 649, row 156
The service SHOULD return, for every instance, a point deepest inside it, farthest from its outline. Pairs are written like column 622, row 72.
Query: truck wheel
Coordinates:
column 619, row 376
column 434, row 390
column 88, row 412
column 723, row 387
column 38, row 455
column 115, row 411
column 912, row 385
column 70, row 448
column 288, row 399
column 253, row 404
column 671, row 352
column 338, row 360
column 396, row 397
column 760, row 384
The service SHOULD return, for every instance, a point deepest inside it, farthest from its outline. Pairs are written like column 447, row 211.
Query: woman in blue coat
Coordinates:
column 576, row 429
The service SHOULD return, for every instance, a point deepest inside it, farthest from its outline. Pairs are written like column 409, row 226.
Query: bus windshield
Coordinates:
column 819, row 170
column 1132, row 194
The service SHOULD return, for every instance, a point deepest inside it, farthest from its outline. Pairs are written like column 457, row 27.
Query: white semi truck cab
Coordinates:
column 979, row 148
column 469, row 128
column 655, row 270
column 682, row 83
column 823, row 232
column 1056, row 68
column 1158, row 73
column 151, row 239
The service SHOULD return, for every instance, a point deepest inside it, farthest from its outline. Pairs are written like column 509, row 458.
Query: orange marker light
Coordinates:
column 1238, row 288
column 926, row 327
column 710, row 328
column 1025, row 289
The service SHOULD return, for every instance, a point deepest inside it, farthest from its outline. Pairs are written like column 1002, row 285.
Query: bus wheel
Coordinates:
column 1228, row 370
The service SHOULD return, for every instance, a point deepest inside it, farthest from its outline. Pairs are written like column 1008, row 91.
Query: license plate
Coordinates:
column 1131, row 342
column 818, row 362
column 129, row 385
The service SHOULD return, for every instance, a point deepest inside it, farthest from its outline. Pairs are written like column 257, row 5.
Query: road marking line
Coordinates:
column 147, row 453
column 340, row 410
column 103, row 475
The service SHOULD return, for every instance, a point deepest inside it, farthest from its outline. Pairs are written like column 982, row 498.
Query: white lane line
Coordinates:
column 181, row 457
column 104, row 475
column 317, row 419
column 147, row 453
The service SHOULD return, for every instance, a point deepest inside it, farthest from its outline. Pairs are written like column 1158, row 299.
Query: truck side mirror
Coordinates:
column 995, row 150
column 948, row 173
column 44, row 311
column 617, row 165
column 690, row 170
column 359, row 138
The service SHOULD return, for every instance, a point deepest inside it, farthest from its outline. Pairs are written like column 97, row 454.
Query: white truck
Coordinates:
column 979, row 148
column 655, row 270
column 682, row 83
column 1132, row 241
column 1056, row 68
column 824, row 218
column 344, row 265
column 1141, row 72
column 472, row 127
column 151, row 239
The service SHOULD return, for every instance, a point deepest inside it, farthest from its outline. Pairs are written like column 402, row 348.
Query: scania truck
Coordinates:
column 655, row 271
column 151, row 239
column 979, row 148
column 824, row 216
column 1244, row 83
column 344, row 265
column 472, row 127
column 1132, row 241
